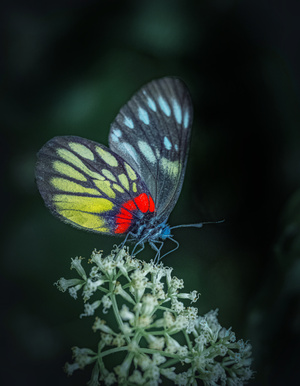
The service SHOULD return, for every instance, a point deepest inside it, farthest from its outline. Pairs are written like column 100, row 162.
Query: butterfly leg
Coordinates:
column 124, row 241
column 142, row 246
column 172, row 250
column 153, row 246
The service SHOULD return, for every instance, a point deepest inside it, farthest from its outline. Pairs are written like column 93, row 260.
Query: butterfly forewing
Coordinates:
column 152, row 133
column 89, row 186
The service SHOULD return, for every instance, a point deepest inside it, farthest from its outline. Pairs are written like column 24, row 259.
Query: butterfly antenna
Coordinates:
column 199, row 225
column 172, row 250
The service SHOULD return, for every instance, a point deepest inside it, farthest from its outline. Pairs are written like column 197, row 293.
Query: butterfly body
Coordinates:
column 130, row 188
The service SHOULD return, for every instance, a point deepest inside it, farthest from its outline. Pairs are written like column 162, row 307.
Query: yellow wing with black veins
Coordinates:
column 85, row 183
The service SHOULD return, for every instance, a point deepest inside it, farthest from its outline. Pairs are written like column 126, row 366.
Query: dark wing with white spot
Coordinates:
column 152, row 133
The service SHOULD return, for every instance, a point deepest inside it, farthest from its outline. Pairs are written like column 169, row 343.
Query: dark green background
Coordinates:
column 67, row 68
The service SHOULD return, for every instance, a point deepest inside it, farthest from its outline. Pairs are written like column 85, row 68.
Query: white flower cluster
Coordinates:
column 157, row 335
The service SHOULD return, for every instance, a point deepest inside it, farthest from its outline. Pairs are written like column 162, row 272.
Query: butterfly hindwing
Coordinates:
column 152, row 133
column 89, row 186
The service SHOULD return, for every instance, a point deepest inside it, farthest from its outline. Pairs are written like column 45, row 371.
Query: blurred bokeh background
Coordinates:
column 67, row 68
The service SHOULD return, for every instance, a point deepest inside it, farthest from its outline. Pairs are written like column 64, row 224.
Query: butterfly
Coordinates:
column 131, row 187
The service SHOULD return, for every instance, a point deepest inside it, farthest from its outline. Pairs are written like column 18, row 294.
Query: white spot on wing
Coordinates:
column 127, row 148
column 151, row 104
column 114, row 137
column 164, row 106
column 186, row 119
column 177, row 111
column 128, row 122
column 143, row 115
column 170, row 167
column 118, row 133
column 167, row 143
column 176, row 147
column 147, row 151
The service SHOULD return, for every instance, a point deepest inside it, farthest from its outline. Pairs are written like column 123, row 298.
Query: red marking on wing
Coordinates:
column 130, row 205
column 143, row 202
column 151, row 204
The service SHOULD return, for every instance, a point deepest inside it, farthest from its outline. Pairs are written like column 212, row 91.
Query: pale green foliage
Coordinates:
column 151, row 320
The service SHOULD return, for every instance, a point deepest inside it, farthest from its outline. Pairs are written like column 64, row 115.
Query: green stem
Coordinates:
column 116, row 310
column 112, row 351
column 169, row 363
column 187, row 338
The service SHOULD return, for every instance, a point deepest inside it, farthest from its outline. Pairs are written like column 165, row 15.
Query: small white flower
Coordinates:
column 101, row 325
column 106, row 339
column 248, row 373
column 118, row 340
column 89, row 309
column 144, row 321
column 95, row 273
column 71, row 367
column 158, row 272
column 122, row 370
column 200, row 361
column 125, row 295
column 76, row 264
column 90, row 287
column 168, row 272
column 126, row 329
column 177, row 306
column 191, row 314
column 149, row 302
column 121, row 254
column 63, row 284
column 106, row 302
column 180, row 323
column 110, row 379
column 126, row 314
column 200, row 341
column 83, row 356
column 193, row 296
column 158, row 291
column 182, row 351
column 138, row 283
column 158, row 359
column 131, row 263
column 172, row 345
column 143, row 361
column 222, row 349
column 96, row 257
column 73, row 291
column 169, row 319
column 169, row 373
column 176, row 283
column 156, row 343
column 224, row 333
column 133, row 347
column 232, row 337
column 108, row 266
column 136, row 378
column 152, row 372
column 182, row 379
